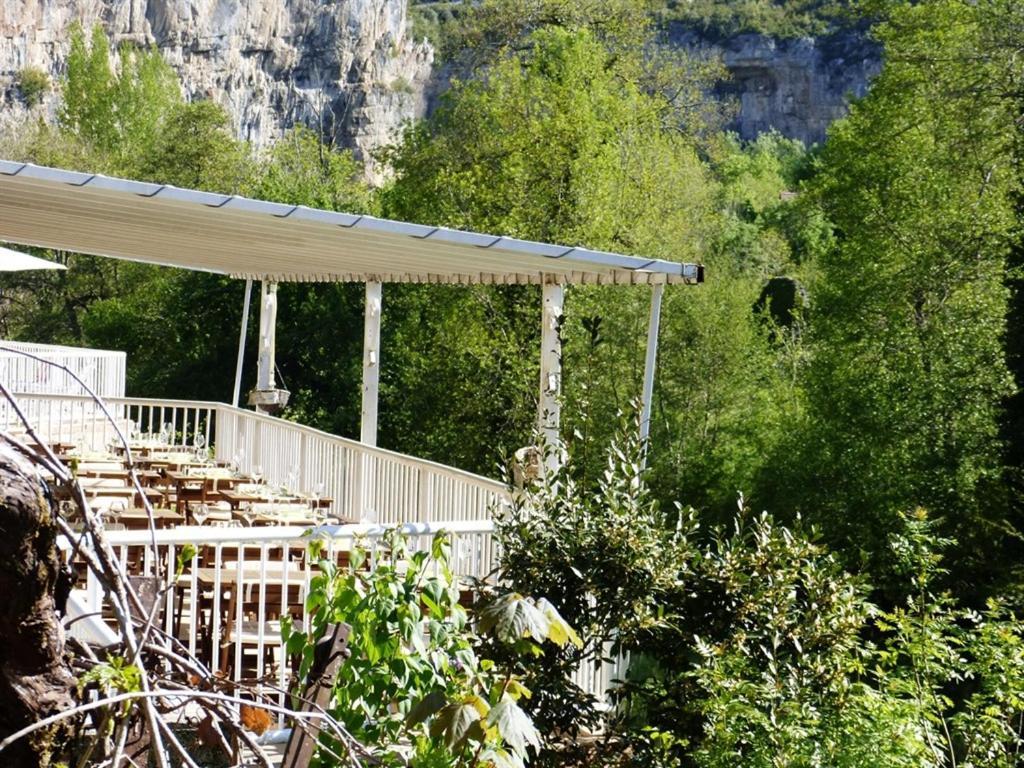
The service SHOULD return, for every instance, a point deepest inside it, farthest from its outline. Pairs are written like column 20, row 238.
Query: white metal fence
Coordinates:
column 227, row 605
column 367, row 484
column 236, row 629
column 102, row 370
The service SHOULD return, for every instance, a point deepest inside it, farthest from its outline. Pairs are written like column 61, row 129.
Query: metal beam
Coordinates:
column 653, row 326
column 550, row 403
column 371, row 363
column 241, row 343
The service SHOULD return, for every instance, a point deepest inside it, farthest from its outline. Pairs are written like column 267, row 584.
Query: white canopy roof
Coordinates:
column 16, row 261
column 238, row 236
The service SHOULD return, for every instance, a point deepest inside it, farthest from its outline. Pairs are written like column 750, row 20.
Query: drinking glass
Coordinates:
column 116, row 509
column 200, row 513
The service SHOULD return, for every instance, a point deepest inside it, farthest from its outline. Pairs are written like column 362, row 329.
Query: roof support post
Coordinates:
column 241, row 343
column 371, row 362
column 268, row 336
column 550, row 404
column 266, row 396
column 653, row 326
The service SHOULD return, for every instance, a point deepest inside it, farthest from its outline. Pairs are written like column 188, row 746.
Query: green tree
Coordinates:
column 121, row 111
column 561, row 144
column 196, row 149
column 908, row 372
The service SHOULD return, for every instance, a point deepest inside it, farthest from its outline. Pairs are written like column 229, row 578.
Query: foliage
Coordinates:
column 559, row 143
column 907, row 373
column 120, row 112
column 414, row 672
column 492, row 29
column 33, row 84
column 776, row 18
column 605, row 555
column 197, row 150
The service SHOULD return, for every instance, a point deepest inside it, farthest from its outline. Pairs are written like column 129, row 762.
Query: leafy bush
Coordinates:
column 34, row 84
column 605, row 555
column 753, row 646
column 414, row 675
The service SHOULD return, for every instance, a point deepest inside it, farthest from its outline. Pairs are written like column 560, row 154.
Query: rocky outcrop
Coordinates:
column 350, row 69
column 346, row 67
column 797, row 87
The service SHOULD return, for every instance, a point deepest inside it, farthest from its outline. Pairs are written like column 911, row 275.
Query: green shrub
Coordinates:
column 415, row 675
column 752, row 645
column 34, row 84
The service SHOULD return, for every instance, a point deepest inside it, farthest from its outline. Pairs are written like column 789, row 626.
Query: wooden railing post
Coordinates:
column 329, row 654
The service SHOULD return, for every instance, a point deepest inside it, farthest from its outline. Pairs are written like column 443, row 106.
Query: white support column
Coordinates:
column 241, row 343
column 550, row 408
column 371, row 363
column 267, row 397
column 268, row 331
column 653, row 326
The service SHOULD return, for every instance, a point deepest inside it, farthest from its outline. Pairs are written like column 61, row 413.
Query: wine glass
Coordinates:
column 200, row 513
column 293, row 479
column 116, row 509
column 257, row 474
column 200, row 447
column 249, row 513
column 314, row 501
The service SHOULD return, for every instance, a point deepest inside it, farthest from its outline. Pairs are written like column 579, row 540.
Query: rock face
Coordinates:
column 350, row 69
column 346, row 67
column 798, row 87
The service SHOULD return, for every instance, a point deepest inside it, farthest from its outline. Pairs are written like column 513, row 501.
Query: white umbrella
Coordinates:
column 16, row 261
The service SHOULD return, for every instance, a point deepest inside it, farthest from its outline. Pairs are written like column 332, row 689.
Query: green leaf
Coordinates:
column 513, row 617
column 458, row 723
column 514, row 725
column 427, row 707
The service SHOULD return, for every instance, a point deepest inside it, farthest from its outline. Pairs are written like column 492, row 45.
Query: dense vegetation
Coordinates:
column 444, row 21
column 853, row 364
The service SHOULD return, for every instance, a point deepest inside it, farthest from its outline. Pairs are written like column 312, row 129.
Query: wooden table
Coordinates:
column 278, row 514
column 236, row 498
column 201, row 487
column 136, row 518
column 123, row 492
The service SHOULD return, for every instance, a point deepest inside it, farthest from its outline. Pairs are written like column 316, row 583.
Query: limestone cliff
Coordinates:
column 797, row 86
column 350, row 69
column 347, row 67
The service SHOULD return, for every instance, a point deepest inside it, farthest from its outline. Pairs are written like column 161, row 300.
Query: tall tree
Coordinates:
column 908, row 371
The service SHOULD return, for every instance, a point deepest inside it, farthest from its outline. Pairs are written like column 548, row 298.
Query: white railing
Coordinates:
column 367, row 484
column 236, row 630
column 102, row 370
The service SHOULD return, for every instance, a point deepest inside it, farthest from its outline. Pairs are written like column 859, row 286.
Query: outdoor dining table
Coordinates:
column 204, row 485
column 154, row 495
column 284, row 513
column 174, row 462
column 136, row 518
column 264, row 494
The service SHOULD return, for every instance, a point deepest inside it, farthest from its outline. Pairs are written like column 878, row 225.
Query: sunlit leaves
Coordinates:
column 514, row 725
column 414, row 668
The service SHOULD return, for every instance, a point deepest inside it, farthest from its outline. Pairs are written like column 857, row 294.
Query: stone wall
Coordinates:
column 347, row 67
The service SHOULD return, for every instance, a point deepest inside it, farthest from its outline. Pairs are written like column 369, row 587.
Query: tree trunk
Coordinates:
column 35, row 680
